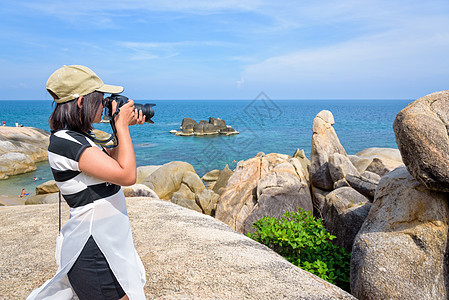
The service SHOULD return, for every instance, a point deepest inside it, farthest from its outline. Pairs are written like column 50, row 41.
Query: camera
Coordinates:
column 147, row 108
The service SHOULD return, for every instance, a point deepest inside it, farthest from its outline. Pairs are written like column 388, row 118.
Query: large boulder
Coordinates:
column 325, row 142
column 207, row 200
column 43, row 199
column 267, row 185
column 47, row 187
column 400, row 251
column 21, row 148
column 145, row 171
column 421, row 131
column 344, row 211
column 187, row 255
column 167, row 179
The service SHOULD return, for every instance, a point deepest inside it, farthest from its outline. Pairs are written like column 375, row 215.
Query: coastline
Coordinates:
column 11, row 201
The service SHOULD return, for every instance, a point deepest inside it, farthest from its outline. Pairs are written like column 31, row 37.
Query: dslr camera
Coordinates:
column 147, row 108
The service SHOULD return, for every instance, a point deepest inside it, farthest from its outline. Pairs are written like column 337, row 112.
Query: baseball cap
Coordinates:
column 70, row 82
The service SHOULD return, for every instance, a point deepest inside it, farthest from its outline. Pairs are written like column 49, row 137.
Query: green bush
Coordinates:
column 304, row 242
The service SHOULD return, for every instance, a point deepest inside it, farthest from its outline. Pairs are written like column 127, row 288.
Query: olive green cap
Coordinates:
column 70, row 82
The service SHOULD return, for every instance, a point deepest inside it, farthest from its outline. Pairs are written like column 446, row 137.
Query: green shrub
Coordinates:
column 304, row 242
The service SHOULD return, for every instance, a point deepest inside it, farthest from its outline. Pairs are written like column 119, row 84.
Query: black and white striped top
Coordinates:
column 77, row 188
column 97, row 209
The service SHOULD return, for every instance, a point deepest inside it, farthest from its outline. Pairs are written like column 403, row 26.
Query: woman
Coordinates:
column 98, row 258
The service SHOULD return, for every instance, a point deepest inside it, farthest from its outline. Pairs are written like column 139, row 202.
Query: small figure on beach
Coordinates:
column 4, row 123
column 17, row 124
column 23, row 194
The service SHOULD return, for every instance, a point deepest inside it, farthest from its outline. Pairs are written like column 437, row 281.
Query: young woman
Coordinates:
column 98, row 258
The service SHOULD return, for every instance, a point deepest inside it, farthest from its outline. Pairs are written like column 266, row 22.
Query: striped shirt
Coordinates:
column 97, row 209
column 77, row 188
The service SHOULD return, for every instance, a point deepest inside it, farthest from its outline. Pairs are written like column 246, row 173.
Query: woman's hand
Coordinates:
column 128, row 115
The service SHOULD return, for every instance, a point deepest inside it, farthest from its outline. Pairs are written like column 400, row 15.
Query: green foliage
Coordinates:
column 303, row 241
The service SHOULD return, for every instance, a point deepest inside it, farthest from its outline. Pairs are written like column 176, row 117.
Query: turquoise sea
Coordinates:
column 265, row 125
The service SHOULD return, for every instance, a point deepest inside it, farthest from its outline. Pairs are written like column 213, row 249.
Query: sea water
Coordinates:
column 265, row 125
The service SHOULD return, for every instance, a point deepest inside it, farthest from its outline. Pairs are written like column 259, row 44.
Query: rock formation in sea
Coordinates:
column 21, row 148
column 214, row 126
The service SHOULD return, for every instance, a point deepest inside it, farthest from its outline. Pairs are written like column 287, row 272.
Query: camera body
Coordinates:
column 147, row 108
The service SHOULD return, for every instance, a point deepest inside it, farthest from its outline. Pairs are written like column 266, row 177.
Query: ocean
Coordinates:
column 265, row 125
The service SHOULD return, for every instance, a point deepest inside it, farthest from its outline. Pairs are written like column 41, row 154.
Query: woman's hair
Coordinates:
column 69, row 116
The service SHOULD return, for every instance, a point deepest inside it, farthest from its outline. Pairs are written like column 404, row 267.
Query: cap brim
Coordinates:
column 111, row 89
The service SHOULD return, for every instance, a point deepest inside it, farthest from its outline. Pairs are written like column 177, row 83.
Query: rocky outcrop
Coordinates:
column 422, row 135
column 186, row 255
column 325, row 142
column 400, row 251
column 267, row 185
column 190, row 127
column 21, row 148
column 168, row 179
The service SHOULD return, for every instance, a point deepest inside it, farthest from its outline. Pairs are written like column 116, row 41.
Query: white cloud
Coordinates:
column 373, row 64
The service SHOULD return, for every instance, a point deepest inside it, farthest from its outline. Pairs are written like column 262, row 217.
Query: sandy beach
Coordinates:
column 10, row 200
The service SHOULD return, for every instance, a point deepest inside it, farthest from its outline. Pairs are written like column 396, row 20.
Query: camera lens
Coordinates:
column 147, row 110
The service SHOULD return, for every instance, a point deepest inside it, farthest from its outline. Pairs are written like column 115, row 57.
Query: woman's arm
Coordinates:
column 120, row 167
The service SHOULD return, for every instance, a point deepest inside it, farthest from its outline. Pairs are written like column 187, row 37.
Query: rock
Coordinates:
column 382, row 167
column 21, row 148
column 190, row 127
column 139, row 190
column 400, row 251
column 15, row 163
column 211, row 175
column 218, row 123
column 279, row 191
column 167, row 179
column 207, row 200
column 305, row 162
column 180, row 199
column 204, row 127
column 421, row 131
column 340, row 166
column 48, row 187
column 325, row 142
column 184, row 192
column 44, row 199
column 362, row 185
column 188, row 123
column 344, row 211
column 266, row 185
column 193, row 182
column 318, row 200
column 341, row 183
column 187, row 255
column 371, row 176
column 222, row 180
column 144, row 172
column 389, row 157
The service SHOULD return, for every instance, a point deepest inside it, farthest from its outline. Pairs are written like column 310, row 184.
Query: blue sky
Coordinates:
column 230, row 49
